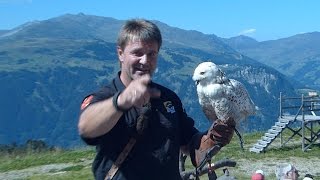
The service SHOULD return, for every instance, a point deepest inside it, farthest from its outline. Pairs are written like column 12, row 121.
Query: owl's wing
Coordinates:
column 216, row 102
column 225, row 109
column 242, row 99
column 210, row 113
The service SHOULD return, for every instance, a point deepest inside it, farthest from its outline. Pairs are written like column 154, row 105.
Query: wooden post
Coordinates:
column 280, row 109
column 302, row 122
column 280, row 115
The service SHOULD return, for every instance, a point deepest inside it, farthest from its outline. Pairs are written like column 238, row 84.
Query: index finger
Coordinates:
column 145, row 79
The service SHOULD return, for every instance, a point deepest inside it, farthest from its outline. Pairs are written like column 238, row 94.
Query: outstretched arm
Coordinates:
column 100, row 117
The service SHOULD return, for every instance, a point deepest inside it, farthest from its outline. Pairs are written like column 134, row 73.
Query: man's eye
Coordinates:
column 138, row 54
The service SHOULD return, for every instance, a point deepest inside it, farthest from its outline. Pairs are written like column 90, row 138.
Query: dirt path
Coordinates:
column 311, row 166
column 44, row 169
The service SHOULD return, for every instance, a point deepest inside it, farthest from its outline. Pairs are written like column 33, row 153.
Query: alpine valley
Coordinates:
column 48, row 67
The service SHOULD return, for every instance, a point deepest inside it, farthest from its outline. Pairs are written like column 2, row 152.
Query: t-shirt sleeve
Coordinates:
column 102, row 94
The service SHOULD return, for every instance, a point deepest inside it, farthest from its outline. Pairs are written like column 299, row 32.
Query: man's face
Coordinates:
column 137, row 58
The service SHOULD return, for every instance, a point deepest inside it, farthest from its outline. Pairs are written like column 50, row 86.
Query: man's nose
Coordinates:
column 144, row 59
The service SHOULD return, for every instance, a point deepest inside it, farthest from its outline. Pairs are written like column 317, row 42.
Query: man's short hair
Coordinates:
column 139, row 29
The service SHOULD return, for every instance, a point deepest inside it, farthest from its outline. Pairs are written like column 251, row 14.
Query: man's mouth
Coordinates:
column 142, row 71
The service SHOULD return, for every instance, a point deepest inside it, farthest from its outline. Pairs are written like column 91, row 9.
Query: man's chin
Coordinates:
column 141, row 73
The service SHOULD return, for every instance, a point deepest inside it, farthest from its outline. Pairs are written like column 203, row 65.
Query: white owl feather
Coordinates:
column 220, row 97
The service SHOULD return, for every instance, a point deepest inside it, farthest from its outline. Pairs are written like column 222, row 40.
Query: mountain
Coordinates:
column 297, row 56
column 48, row 67
column 240, row 42
column 3, row 32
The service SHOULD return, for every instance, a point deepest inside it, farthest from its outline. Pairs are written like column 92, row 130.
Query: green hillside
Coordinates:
column 76, row 163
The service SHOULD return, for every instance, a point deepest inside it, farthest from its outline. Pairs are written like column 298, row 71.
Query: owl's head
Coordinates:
column 208, row 73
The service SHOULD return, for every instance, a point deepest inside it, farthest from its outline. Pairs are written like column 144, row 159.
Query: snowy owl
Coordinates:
column 220, row 97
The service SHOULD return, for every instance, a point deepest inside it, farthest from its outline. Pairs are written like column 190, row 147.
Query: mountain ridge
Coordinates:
column 297, row 56
column 49, row 66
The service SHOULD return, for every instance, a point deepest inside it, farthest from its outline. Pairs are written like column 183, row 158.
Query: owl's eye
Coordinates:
column 202, row 73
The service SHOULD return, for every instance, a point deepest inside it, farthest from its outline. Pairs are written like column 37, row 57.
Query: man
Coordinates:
column 139, row 126
column 286, row 171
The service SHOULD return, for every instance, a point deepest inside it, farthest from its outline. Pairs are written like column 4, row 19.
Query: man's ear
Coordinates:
column 120, row 53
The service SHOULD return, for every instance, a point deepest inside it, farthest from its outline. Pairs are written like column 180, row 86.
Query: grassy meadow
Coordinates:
column 76, row 163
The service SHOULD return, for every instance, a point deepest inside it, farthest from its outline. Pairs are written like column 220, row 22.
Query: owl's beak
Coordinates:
column 197, row 82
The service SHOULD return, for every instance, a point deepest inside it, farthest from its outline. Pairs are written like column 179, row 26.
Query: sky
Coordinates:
column 260, row 19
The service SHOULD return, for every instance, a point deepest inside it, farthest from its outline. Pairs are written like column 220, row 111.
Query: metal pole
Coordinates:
column 303, row 123
column 280, row 116
column 280, row 109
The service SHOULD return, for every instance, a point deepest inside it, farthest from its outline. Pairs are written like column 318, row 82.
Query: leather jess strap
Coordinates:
column 122, row 156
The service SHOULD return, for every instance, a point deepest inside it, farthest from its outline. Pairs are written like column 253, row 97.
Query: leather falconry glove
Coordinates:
column 220, row 133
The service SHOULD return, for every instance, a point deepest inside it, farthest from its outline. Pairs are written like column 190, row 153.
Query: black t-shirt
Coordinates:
column 156, row 153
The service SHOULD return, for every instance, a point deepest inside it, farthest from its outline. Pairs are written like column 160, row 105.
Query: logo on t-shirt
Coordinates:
column 169, row 107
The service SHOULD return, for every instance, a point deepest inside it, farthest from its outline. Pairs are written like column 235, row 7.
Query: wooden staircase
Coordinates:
column 304, row 108
column 270, row 135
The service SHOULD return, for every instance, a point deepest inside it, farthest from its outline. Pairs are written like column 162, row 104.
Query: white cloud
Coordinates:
column 247, row 31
